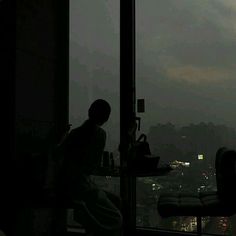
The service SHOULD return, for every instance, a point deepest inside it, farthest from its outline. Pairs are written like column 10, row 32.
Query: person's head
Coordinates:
column 99, row 111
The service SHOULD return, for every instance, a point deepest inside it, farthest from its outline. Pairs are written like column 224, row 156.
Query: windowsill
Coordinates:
column 158, row 232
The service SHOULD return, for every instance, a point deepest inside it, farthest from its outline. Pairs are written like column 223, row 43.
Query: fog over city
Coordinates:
column 185, row 60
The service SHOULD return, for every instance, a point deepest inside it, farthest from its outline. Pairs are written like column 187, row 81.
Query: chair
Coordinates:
column 219, row 203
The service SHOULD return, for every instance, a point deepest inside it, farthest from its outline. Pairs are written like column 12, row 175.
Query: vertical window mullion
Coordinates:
column 127, row 110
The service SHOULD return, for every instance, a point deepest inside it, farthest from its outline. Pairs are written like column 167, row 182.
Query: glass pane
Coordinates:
column 185, row 71
column 94, row 70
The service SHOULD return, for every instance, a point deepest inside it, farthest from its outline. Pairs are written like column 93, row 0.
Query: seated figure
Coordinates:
column 97, row 210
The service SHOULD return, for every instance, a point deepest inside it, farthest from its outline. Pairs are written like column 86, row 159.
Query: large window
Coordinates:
column 185, row 60
column 185, row 71
column 94, row 70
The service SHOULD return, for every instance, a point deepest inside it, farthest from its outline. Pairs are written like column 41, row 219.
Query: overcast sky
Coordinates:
column 186, row 56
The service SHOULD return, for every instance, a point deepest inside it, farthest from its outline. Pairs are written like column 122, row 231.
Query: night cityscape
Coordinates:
column 194, row 171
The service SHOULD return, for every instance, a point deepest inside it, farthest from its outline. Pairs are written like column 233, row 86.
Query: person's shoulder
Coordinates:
column 75, row 132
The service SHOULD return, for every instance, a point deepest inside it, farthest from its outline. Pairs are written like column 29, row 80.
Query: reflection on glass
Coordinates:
column 219, row 225
column 185, row 56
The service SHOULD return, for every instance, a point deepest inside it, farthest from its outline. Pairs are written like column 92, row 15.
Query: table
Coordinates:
column 117, row 172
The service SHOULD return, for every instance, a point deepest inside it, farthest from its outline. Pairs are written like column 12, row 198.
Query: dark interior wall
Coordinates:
column 41, row 88
column 34, row 82
column 39, row 101
column 34, row 93
column 7, row 75
column 35, row 69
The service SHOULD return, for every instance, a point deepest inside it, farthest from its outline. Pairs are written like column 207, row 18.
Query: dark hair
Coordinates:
column 99, row 111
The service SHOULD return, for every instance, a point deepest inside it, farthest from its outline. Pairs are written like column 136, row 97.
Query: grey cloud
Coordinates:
column 179, row 42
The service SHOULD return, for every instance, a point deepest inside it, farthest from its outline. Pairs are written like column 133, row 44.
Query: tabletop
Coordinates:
column 117, row 172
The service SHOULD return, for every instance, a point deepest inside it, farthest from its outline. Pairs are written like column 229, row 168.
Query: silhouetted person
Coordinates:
column 84, row 148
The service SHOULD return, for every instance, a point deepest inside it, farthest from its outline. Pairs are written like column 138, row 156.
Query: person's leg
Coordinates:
column 99, row 214
column 116, row 200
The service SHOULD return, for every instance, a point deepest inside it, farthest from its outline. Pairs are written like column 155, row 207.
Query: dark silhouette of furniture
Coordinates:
column 219, row 203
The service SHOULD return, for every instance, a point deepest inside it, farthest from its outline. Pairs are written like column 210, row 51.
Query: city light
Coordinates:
column 186, row 164
column 200, row 156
